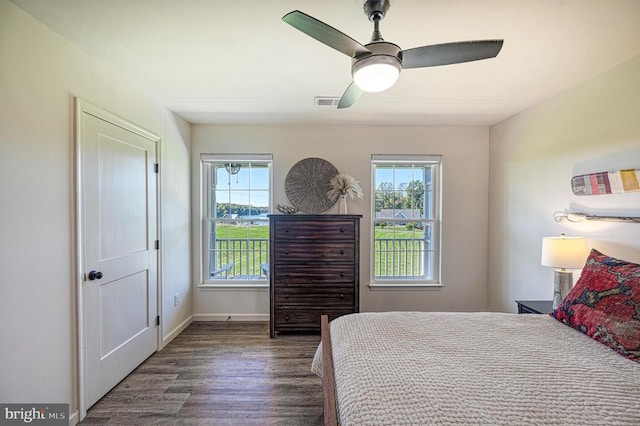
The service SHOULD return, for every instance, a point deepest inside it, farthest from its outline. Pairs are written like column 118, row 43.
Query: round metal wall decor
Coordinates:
column 307, row 184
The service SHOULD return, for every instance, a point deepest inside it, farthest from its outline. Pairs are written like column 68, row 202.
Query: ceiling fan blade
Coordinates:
column 325, row 34
column 350, row 96
column 450, row 53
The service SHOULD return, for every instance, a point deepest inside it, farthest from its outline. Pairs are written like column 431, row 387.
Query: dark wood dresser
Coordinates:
column 313, row 269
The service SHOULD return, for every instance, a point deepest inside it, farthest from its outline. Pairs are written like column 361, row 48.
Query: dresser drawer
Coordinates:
column 325, row 252
column 314, row 229
column 334, row 296
column 313, row 274
column 289, row 318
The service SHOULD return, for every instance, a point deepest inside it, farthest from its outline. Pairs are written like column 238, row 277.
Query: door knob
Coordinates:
column 94, row 275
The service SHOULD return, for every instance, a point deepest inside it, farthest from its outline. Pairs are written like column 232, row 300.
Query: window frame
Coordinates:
column 435, row 162
column 206, row 164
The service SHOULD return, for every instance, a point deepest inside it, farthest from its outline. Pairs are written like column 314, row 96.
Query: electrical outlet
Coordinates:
column 176, row 299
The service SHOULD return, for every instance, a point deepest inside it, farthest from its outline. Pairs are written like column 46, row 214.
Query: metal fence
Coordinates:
column 395, row 257
column 239, row 258
column 249, row 258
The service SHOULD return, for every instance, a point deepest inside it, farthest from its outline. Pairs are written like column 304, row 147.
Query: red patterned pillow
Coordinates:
column 605, row 304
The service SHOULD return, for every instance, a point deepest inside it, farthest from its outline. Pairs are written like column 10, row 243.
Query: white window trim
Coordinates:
column 436, row 162
column 204, row 224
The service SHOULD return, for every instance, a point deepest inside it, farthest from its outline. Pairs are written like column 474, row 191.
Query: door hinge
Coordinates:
column 157, row 244
column 158, row 320
column 156, row 168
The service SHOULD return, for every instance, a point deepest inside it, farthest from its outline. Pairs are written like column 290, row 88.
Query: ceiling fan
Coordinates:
column 376, row 66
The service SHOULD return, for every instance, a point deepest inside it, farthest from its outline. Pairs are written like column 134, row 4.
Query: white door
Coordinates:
column 120, row 283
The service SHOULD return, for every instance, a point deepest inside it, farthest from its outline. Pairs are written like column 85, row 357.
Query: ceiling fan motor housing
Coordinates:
column 381, row 52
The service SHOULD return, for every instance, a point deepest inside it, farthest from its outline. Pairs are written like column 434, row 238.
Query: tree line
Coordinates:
column 228, row 209
column 405, row 196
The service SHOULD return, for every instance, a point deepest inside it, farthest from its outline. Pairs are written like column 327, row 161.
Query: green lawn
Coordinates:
column 233, row 232
column 253, row 232
column 403, row 257
column 399, row 233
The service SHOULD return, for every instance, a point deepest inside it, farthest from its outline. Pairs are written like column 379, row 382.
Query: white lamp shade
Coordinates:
column 375, row 76
column 564, row 252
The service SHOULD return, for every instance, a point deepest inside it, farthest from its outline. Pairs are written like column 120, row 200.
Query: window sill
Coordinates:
column 235, row 285
column 405, row 286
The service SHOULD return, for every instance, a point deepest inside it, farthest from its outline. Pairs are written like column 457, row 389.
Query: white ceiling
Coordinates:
column 236, row 61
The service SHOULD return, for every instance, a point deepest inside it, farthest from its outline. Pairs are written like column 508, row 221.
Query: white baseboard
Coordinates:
column 231, row 317
column 179, row 329
column 73, row 418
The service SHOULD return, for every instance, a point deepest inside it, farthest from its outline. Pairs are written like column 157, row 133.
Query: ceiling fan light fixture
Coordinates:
column 376, row 73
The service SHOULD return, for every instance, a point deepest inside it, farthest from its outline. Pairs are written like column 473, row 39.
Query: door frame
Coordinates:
column 81, row 107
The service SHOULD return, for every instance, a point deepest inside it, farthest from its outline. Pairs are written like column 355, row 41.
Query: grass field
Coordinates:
column 254, row 232
column 250, row 232
column 398, row 251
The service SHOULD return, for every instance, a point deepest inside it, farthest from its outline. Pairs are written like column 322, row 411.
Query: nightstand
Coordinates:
column 534, row 306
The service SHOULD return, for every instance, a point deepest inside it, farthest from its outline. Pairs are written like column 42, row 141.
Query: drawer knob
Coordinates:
column 286, row 296
column 341, row 251
column 342, row 274
column 286, row 318
column 341, row 296
column 286, row 252
column 342, row 230
column 286, row 229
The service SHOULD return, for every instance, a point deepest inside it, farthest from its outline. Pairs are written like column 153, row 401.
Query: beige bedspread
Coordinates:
column 418, row 368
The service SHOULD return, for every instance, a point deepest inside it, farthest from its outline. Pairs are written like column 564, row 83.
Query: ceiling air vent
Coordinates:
column 326, row 101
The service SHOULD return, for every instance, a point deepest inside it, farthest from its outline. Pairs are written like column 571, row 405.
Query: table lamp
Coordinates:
column 563, row 253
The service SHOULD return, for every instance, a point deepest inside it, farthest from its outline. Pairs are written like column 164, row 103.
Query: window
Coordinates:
column 237, row 199
column 406, row 220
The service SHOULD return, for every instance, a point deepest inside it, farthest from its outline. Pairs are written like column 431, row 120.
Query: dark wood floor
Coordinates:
column 220, row 373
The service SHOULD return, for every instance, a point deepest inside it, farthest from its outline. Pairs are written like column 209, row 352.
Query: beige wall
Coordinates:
column 40, row 73
column 591, row 128
column 349, row 149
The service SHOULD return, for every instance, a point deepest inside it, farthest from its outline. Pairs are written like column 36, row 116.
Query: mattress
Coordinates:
column 417, row 368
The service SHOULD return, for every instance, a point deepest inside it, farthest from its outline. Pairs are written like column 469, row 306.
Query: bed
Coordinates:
column 445, row 368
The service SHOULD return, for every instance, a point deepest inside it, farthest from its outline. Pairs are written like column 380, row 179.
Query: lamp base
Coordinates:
column 562, row 285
